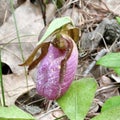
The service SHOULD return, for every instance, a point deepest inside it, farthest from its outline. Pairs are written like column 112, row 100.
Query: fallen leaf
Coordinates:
column 15, row 86
column 51, row 115
column 113, row 6
column 29, row 28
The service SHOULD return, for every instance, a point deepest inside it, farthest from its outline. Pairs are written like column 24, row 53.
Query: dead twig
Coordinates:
column 103, row 89
column 90, row 67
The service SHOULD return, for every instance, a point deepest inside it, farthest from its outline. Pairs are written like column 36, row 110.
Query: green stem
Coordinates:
column 17, row 32
column 43, row 10
column 1, row 82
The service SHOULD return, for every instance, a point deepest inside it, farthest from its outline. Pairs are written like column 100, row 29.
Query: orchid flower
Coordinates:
column 48, row 72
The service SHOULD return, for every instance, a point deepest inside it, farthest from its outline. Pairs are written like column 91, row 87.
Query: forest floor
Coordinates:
column 99, row 34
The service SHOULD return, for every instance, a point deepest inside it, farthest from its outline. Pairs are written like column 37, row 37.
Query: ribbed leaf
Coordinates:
column 77, row 101
column 55, row 25
column 110, row 110
column 14, row 113
column 111, row 103
column 111, row 60
column 111, row 114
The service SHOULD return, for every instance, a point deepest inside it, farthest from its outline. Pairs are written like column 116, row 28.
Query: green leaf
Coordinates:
column 55, row 25
column 117, row 70
column 111, row 103
column 111, row 114
column 110, row 110
column 77, row 100
column 14, row 113
column 111, row 60
column 118, row 19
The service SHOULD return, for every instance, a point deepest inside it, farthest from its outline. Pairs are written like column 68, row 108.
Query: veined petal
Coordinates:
column 48, row 73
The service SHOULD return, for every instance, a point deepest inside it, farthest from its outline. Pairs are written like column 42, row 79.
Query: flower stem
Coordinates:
column 1, row 83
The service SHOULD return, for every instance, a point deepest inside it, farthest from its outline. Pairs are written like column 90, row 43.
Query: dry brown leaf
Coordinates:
column 30, row 26
column 11, row 55
column 107, row 89
column 15, row 86
column 51, row 115
column 113, row 5
column 30, row 23
column 5, row 10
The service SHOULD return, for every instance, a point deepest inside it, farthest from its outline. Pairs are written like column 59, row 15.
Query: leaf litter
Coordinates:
column 95, row 20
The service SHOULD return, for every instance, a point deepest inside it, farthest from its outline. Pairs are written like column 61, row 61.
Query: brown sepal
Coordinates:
column 44, row 50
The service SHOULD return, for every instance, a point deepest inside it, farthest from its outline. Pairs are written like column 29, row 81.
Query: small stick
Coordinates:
column 43, row 10
column 90, row 67
column 102, row 90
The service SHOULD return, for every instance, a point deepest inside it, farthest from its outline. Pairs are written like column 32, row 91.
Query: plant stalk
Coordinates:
column 1, row 83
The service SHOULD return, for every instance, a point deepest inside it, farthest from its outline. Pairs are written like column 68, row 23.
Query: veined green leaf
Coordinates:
column 14, row 113
column 111, row 60
column 110, row 109
column 77, row 100
column 55, row 25
column 111, row 114
column 112, row 102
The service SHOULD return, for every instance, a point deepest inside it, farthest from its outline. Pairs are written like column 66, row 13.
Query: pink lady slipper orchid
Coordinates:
column 48, row 72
